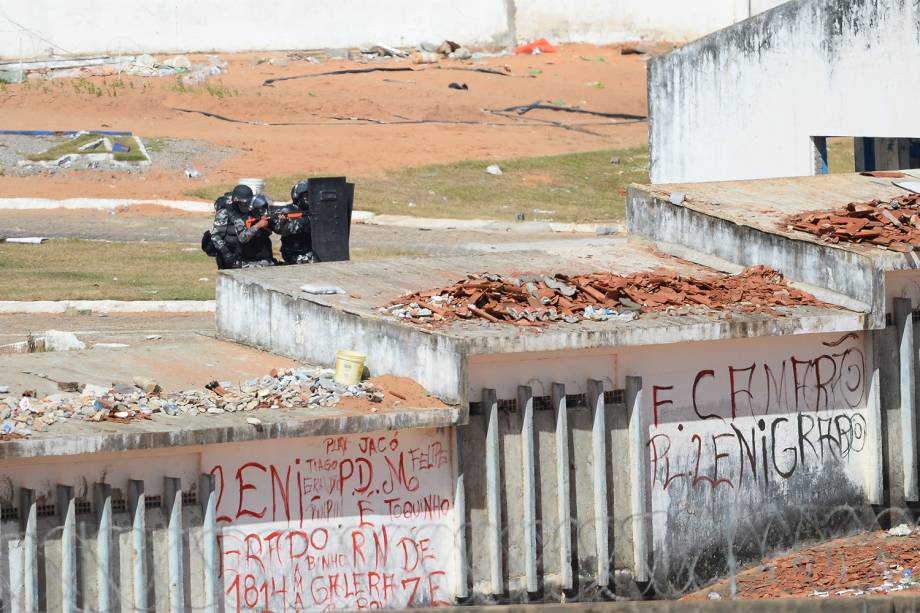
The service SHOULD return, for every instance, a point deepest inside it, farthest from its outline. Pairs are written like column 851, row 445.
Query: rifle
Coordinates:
column 283, row 214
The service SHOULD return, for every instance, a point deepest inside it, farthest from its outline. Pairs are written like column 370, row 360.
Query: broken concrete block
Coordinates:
column 56, row 340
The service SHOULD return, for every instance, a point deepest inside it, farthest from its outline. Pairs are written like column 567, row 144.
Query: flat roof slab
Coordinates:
column 746, row 223
column 76, row 437
column 767, row 204
column 267, row 308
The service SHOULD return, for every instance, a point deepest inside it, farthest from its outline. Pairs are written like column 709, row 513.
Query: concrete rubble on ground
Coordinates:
column 51, row 340
column 144, row 65
column 143, row 398
column 891, row 225
column 537, row 299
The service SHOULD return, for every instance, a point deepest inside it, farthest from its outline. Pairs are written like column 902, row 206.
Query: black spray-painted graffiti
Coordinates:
column 760, row 421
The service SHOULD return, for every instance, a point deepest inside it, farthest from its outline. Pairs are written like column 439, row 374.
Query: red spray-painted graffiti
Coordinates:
column 351, row 522
column 759, row 421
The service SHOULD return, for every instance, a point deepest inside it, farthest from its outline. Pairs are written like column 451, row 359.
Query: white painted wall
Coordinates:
column 30, row 28
column 799, row 403
column 609, row 21
column 87, row 26
column 321, row 523
column 744, row 103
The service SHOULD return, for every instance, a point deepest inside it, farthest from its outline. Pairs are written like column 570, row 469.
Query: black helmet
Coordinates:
column 259, row 203
column 299, row 191
column 222, row 202
column 242, row 198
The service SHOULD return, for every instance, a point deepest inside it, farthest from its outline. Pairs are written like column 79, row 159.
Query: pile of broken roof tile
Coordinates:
column 891, row 225
column 536, row 299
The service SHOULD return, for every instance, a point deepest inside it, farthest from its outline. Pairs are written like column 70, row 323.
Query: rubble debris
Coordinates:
column 893, row 225
column 869, row 563
column 144, row 398
column 102, row 66
column 384, row 51
column 57, row 340
column 447, row 47
column 900, row 530
column 536, row 299
column 536, row 47
column 426, row 57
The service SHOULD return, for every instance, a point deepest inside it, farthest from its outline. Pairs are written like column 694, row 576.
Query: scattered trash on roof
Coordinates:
column 893, row 225
column 536, row 299
column 322, row 289
column 144, row 398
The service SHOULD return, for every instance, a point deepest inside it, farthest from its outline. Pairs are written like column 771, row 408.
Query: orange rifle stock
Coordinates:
column 252, row 220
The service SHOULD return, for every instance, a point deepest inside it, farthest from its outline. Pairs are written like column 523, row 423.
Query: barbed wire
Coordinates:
column 805, row 551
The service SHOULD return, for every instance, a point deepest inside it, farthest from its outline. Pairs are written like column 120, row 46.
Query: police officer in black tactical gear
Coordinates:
column 234, row 242
column 296, row 244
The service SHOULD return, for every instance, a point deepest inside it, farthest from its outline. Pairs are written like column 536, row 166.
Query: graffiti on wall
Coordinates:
column 347, row 522
column 761, row 420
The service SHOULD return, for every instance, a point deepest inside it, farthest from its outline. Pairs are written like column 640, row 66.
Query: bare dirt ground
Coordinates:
column 328, row 128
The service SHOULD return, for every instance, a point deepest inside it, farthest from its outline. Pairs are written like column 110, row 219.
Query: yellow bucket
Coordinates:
column 349, row 367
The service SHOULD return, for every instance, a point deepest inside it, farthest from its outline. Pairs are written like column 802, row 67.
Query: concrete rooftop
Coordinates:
column 75, row 437
column 743, row 223
column 314, row 327
column 766, row 204
column 371, row 285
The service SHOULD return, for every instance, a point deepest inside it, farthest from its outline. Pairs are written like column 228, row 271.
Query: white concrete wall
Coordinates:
column 750, row 426
column 349, row 522
column 744, row 102
column 609, row 21
column 87, row 26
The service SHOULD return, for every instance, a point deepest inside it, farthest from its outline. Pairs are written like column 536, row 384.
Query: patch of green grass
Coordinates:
column 94, row 270
column 72, row 146
column 64, row 269
column 212, row 88
column 156, row 145
column 577, row 187
column 840, row 157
